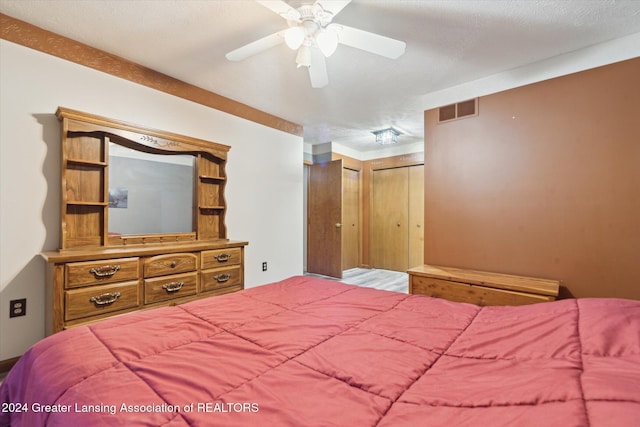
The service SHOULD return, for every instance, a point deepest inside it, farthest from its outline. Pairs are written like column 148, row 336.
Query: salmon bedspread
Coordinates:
column 313, row 352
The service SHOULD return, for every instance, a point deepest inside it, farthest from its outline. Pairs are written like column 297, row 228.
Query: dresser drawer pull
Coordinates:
column 105, row 299
column 221, row 278
column 106, row 271
column 222, row 257
column 173, row 286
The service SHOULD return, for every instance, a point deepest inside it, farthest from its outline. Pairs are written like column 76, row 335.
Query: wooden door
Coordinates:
column 416, row 215
column 350, row 219
column 324, row 229
column 390, row 218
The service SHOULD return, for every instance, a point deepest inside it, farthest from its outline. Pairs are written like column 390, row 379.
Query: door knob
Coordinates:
column 338, row 225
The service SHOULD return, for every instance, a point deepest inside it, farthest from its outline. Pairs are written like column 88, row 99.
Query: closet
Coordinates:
column 365, row 214
column 397, row 215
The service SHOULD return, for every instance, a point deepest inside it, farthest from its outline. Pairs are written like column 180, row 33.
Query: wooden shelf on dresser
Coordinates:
column 480, row 287
column 86, row 285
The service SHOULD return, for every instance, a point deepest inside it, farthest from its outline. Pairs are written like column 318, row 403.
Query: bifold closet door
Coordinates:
column 416, row 216
column 390, row 217
column 397, row 235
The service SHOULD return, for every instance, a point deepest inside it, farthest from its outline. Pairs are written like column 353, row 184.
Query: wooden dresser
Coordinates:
column 86, row 286
column 142, row 222
column 479, row 287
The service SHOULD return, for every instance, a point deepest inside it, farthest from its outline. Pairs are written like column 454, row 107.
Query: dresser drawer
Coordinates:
column 94, row 300
column 169, row 287
column 220, row 278
column 99, row 272
column 473, row 294
column 161, row 265
column 221, row 258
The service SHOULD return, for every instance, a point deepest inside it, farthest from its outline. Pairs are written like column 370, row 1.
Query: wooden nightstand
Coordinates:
column 479, row 287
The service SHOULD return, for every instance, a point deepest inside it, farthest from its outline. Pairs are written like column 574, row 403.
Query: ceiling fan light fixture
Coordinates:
column 303, row 59
column 294, row 37
column 314, row 36
column 386, row 136
column 327, row 41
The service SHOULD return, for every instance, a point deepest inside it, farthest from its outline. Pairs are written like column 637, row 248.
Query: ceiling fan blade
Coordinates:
column 333, row 6
column 256, row 47
column 370, row 42
column 318, row 69
column 281, row 8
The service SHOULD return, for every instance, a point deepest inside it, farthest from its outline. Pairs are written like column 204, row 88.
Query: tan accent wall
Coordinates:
column 36, row 38
column 544, row 182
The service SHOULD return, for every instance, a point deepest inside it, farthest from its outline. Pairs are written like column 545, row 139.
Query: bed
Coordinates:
column 315, row 352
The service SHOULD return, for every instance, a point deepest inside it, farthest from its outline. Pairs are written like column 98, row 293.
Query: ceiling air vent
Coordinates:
column 458, row 111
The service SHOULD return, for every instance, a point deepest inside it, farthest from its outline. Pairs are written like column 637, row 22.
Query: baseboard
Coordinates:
column 6, row 365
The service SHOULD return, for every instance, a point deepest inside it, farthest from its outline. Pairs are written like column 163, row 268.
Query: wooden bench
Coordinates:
column 479, row 287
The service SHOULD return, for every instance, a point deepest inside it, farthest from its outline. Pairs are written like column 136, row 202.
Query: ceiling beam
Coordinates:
column 28, row 35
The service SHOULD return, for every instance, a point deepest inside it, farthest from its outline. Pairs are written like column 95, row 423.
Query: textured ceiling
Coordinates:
column 448, row 43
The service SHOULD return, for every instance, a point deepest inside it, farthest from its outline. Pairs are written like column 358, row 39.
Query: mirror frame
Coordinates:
column 85, row 180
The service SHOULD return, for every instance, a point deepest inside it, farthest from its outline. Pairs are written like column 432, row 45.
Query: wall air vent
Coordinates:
column 446, row 113
column 459, row 110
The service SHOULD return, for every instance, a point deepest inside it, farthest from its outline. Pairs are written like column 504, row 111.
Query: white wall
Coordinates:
column 264, row 190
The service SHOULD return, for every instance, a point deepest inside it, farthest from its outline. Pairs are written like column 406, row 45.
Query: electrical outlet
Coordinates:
column 17, row 307
column 264, row 266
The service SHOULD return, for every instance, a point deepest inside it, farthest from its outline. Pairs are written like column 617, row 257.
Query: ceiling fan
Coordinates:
column 312, row 33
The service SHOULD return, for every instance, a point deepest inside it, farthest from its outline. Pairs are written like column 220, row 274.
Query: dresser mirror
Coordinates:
column 150, row 193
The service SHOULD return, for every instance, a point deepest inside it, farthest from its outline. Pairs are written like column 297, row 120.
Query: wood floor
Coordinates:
column 387, row 280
